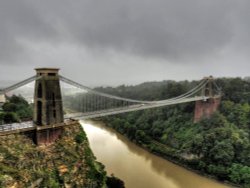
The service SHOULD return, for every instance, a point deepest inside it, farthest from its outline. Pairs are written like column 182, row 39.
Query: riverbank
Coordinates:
column 179, row 160
column 169, row 154
column 126, row 160
column 69, row 162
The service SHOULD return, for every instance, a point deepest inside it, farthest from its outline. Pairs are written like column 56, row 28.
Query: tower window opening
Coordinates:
column 54, row 113
column 53, row 100
column 51, row 74
column 39, row 91
column 39, row 113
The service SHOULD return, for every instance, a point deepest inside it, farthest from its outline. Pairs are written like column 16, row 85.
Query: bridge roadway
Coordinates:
column 16, row 127
column 101, row 113
column 28, row 125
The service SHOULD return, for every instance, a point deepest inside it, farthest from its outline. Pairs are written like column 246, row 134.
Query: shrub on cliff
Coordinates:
column 79, row 138
column 114, row 182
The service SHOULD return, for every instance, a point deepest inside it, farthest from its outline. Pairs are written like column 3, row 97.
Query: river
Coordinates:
column 137, row 167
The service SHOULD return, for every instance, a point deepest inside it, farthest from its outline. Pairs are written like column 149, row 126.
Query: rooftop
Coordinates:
column 47, row 70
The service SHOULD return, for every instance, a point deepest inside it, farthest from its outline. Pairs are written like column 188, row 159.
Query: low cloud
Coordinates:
column 168, row 33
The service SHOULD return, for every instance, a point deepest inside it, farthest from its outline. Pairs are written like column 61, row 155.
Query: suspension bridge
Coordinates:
column 49, row 118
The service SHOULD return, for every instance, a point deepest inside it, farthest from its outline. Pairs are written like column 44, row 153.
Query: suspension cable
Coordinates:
column 191, row 92
column 19, row 84
column 73, row 83
column 217, row 87
column 187, row 94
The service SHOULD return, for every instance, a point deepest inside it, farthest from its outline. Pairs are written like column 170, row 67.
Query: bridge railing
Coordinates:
column 16, row 126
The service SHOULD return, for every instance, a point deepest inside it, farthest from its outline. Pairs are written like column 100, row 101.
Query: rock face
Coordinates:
column 68, row 162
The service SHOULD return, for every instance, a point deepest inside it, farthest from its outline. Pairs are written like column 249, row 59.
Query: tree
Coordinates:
column 9, row 107
column 141, row 137
column 222, row 153
column 15, row 109
column 218, row 170
column 240, row 174
column 10, row 117
column 1, row 118
column 114, row 182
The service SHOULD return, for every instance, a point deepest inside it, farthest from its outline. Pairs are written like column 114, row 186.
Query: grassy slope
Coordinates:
column 67, row 162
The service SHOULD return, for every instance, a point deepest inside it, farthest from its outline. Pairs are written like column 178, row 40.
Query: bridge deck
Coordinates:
column 16, row 127
column 101, row 113
column 29, row 126
column 71, row 118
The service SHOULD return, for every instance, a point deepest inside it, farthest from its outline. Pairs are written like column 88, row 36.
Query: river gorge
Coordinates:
column 137, row 167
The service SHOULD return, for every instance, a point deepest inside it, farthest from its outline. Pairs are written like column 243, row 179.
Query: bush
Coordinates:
column 10, row 117
column 240, row 174
column 80, row 138
column 114, row 182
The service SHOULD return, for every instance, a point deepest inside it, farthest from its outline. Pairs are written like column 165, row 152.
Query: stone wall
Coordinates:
column 205, row 109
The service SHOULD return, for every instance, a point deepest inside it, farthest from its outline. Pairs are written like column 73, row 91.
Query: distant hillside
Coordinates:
column 219, row 146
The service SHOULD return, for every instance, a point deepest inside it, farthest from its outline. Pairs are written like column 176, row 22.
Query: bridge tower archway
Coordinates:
column 39, row 113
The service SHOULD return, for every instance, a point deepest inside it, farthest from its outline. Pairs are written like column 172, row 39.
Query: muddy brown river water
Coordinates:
column 137, row 167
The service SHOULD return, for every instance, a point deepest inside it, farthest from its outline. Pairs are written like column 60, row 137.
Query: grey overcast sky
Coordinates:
column 112, row 42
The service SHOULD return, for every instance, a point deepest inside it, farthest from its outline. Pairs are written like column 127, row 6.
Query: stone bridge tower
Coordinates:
column 48, row 109
column 205, row 108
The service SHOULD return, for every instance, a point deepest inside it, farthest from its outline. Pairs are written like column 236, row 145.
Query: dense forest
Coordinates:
column 219, row 146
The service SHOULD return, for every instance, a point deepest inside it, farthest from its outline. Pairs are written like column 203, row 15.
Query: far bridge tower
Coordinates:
column 205, row 108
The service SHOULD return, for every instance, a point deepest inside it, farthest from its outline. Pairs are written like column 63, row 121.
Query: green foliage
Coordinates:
column 140, row 136
column 218, row 170
column 238, row 114
column 96, row 170
column 222, row 153
column 240, row 174
column 53, row 179
column 10, row 117
column 80, row 138
column 235, row 89
column 5, row 169
column 114, row 182
column 9, row 107
column 16, row 109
